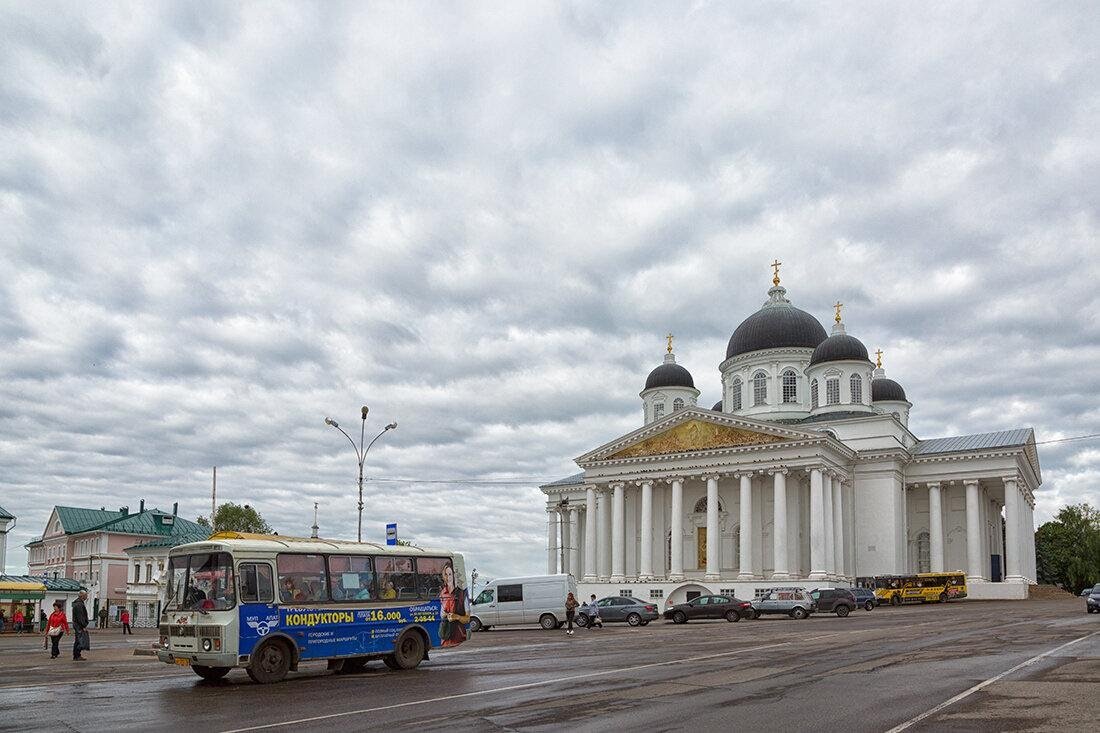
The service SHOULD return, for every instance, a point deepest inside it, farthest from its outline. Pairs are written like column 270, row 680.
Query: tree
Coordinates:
column 1067, row 549
column 237, row 518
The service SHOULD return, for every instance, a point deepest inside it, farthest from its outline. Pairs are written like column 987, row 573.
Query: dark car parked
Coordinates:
column 840, row 601
column 865, row 598
column 1092, row 603
column 622, row 608
column 727, row 607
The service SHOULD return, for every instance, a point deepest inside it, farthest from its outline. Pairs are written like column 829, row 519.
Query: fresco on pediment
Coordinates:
column 695, row 435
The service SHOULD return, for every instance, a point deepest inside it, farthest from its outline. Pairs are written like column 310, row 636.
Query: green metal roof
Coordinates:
column 76, row 519
column 172, row 541
column 5, row 514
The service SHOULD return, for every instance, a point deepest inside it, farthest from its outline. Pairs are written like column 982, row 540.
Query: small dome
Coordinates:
column 717, row 406
column 669, row 374
column 886, row 389
column 777, row 325
column 839, row 347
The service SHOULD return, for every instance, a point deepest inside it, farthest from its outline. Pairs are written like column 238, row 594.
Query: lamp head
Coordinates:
column 365, row 410
column 391, row 426
column 330, row 421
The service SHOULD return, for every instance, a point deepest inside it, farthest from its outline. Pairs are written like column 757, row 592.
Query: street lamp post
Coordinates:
column 361, row 453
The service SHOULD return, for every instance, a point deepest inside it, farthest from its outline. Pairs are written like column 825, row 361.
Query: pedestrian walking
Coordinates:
column 594, row 619
column 125, row 618
column 56, row 626
column 18, row 620
column 80, row 627
column 102, row 618
column 43, row 620
column 570, row 611
column 2, row 620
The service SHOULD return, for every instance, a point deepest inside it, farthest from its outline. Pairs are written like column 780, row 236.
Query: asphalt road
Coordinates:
column 872, row 671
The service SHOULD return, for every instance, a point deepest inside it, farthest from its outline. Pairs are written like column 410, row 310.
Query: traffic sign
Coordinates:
column 391, row 534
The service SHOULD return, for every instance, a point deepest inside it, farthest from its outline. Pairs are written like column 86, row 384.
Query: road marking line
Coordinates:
column 527, row 685
column 983, row 685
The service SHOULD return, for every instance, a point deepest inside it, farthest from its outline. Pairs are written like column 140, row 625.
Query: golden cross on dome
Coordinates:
column 775, row 280
column 878, row 358
column 838, row 305
column 669, row 337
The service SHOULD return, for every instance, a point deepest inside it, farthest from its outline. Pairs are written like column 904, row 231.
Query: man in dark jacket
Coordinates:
column 80, row 626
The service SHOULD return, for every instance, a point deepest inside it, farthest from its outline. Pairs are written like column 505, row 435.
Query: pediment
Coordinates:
column 695, row 430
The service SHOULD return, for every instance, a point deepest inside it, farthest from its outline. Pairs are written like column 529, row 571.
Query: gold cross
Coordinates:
column 776, row 264
column 669, row 337
column 878, row 358
column 838, row 305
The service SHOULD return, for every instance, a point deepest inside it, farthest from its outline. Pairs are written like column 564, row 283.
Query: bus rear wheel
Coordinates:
column 270, row 664
column 407, row 652
column 943, row 597
column 210, row 673
column 895, row 600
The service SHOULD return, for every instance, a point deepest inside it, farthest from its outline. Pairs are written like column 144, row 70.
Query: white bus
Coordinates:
column 267, row 603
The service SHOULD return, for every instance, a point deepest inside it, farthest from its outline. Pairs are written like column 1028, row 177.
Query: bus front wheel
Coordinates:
column 210, row 673
column 407, row 652
column 270, row 664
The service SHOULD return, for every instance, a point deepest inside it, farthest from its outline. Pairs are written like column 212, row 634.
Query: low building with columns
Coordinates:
column 804, row 474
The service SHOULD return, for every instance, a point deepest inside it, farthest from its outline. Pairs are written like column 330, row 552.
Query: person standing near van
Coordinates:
column 570, row 611
column 594, row 619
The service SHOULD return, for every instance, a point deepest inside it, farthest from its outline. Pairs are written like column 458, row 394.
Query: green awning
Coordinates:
column 21, row 591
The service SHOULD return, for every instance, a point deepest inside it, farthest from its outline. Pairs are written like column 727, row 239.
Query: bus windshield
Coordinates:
column 200, row 582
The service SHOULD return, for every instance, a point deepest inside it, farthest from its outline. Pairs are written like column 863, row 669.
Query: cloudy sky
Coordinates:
column 221, row 222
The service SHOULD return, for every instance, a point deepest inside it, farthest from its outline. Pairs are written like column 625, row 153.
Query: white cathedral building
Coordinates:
column 804, row 474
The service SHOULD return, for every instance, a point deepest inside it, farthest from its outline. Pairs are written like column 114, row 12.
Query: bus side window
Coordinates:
column 429, row 574
column 256, row 585
column 351, row 578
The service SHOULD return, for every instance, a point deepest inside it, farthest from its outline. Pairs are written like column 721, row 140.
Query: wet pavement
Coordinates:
column 871, row 671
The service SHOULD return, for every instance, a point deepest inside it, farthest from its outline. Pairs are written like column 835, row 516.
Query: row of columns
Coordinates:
column 1019, row 543
column 605, row 529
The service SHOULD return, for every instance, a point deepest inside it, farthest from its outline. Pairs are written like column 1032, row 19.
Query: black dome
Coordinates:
column 669, row 375
column 717, row 406
column 839, row 347
column 886, row 389
column 775, row 326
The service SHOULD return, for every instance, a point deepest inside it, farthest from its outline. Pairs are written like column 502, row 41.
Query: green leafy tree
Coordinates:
column 1067, row 548
column 237, row 518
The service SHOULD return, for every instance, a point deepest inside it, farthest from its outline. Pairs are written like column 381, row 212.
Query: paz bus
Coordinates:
column 918, row 588
column 267, row 603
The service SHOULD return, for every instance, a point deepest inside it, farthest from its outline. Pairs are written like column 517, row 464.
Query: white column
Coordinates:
column 780, row 570
column 645, row 555
column 1029, row 541
column 590, row 526
column 935, row 528
column 603, row 566
column 574, row 541
column 838, row 527
column 676, row 559
column 551, row 541
column 817, row 526
column 618, row 533
column 712, row 528
column 973, row 532
column 745, row 545
column 566, row 540
column 827, row 512
column 1013, row 550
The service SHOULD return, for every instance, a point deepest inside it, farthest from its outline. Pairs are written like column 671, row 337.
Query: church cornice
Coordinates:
column 798, row 354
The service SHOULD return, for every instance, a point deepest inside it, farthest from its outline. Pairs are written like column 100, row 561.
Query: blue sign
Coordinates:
column 391, row 534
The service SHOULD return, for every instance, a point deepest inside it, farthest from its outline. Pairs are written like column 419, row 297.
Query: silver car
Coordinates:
column 793, row 602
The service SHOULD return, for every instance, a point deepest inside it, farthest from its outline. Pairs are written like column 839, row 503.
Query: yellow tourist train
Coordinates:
column 919, row 588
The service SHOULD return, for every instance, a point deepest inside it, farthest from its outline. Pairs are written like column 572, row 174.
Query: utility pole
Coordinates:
column 214, row 503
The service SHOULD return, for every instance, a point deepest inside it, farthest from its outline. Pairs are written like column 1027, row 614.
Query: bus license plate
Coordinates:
column 183, row 662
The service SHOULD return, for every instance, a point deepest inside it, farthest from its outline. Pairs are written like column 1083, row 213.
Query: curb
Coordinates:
column 145, row 652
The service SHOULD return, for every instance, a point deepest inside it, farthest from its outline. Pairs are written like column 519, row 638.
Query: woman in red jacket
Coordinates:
column 56, row 626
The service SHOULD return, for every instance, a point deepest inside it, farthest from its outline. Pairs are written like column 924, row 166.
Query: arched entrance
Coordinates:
column 685, row 592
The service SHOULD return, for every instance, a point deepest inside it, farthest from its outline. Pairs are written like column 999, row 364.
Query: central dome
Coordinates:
column 777, row 325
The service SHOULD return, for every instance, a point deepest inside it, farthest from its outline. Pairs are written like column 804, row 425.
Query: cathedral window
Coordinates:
column 832, row 391
column 759, row 389
column 658, row 410
column 735, row 394
column 790, row 387
column 813, row 393
column 856, row 385
column 701, row 506
column 677, row 404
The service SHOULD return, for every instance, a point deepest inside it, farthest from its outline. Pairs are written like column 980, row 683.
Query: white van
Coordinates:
column 535, row 599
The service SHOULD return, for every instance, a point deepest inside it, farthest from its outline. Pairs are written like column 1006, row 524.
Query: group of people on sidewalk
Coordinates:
column 588, row 608
column 57, row 625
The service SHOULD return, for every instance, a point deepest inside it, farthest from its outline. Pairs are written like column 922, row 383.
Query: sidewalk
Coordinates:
column 108, row 645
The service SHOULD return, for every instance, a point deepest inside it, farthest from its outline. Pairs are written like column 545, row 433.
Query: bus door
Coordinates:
column 257, row 609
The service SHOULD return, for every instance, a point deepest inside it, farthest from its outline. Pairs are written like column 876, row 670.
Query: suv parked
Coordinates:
column 727, row 607
column 865, row 597
column 795, row 603
column 840, row 601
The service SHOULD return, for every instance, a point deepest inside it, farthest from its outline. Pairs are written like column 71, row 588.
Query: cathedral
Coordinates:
column 804, row 474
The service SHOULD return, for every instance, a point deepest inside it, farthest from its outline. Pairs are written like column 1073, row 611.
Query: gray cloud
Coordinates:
column 221, row 223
